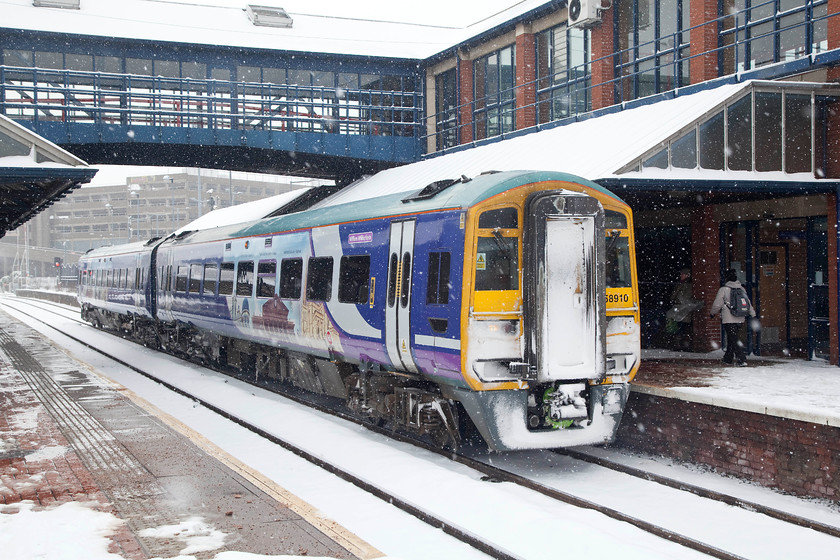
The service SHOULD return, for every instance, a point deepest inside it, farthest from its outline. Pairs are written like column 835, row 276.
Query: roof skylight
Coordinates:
column 268, row 16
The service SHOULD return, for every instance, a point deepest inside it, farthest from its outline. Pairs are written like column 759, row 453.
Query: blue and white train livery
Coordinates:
column 505, row 304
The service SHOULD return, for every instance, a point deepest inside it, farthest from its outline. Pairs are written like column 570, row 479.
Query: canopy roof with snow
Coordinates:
column 33, row 174
column 252, row 24
column 704, row 137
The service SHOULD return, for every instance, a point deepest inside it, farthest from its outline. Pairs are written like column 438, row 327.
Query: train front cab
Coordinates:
column 552, row 335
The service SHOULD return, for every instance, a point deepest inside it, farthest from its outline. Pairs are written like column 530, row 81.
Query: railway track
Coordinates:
column 478, row 463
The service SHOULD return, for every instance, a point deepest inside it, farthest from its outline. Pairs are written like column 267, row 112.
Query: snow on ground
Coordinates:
column 389, row 530
column 798, row 389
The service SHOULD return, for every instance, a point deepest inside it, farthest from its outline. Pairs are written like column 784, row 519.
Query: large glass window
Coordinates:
column 494, row 78
column 653, row 47
column 446, row 113
column 563, row 73
column 759, row 32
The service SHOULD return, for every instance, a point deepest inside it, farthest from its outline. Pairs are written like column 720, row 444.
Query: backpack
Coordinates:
column 739, row 303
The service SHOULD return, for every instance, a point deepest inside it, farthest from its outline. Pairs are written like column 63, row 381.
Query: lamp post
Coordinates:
column 171, row 199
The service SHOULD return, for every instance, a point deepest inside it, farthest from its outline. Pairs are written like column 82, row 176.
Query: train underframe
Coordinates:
column 394, row 400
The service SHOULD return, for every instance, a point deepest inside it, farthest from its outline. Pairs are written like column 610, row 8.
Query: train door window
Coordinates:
column 266, row 278
column 109, row 279
column 291, row 276
column 319, row 279
column 196, row 271
column 139, row 276
column 392, row 280
column 226, row 278
column 169, row 273
column 406, row 279
column 211, row 274
column 354, row 279
column 437, row 288
column 118, row 278
column 245, row 278
column 181, row 279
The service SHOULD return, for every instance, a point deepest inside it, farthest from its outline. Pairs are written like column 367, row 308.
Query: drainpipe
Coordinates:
column 836, row 337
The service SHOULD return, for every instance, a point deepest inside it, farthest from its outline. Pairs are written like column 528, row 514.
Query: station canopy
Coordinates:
column 34, row 173
column 751, row 137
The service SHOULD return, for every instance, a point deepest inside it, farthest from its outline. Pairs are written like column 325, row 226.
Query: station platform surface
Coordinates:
column 64, row 438
column 795, row 389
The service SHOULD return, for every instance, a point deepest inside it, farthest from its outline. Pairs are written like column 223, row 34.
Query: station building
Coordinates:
column 717, row 120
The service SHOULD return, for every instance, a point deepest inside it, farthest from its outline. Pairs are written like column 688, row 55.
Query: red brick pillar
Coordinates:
column 526, row 74
column 833, row 35
column 603, row 65
column 465, row 117
column 705, row 276
column 833, row 263
column 704, row 39
column 832, row 149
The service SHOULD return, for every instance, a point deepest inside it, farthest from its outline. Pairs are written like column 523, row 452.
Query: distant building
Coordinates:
column 145, row 207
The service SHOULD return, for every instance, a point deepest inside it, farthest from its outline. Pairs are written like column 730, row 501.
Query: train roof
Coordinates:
column 109, row 251
column 456, row 193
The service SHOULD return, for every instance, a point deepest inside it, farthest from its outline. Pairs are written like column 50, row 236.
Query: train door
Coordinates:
column 398, row 304
column 567, row 303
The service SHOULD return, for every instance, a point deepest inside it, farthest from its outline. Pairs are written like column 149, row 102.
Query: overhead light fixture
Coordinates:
column 67, row 4
column 268, row 16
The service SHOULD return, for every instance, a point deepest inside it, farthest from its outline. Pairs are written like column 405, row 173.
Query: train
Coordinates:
column 504, row 305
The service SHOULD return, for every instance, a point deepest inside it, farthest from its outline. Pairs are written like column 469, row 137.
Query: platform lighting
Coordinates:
column 268, row 16
column 66, row 4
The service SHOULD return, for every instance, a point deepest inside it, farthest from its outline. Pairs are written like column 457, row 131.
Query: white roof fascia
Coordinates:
column 27, row 137
column 227, row 24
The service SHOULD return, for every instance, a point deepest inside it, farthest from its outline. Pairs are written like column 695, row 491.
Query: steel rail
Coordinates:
column 495, row 473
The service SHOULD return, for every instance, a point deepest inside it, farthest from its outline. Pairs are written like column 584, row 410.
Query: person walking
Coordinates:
column 734, row 307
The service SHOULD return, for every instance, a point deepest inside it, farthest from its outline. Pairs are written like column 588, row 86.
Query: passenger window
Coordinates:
column 291, row 276
column 266, row 278
column 226, row 279
column 245, row 278
column 437, row 288
column 497, row 263
column 319, row 279
column 210, row 276
column 181, row 279
column 502, row 218
column 354, row 279
column 196, row 271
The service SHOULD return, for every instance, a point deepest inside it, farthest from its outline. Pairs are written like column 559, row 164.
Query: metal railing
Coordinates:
column 39, row 94
column 569, row 92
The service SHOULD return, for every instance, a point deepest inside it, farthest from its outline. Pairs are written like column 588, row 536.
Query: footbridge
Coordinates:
column 336, row 132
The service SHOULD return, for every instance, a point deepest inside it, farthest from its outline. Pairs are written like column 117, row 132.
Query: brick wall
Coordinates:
column 705, row 276
column 526, row 73
column 704, row 39
column 603, row 69
column 789, row 455
column 465, row 118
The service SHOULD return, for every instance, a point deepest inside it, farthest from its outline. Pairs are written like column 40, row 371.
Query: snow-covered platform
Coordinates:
column 776, row 421
column 79, row 449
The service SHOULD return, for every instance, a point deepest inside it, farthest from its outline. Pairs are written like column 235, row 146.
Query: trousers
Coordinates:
column 734, row 346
